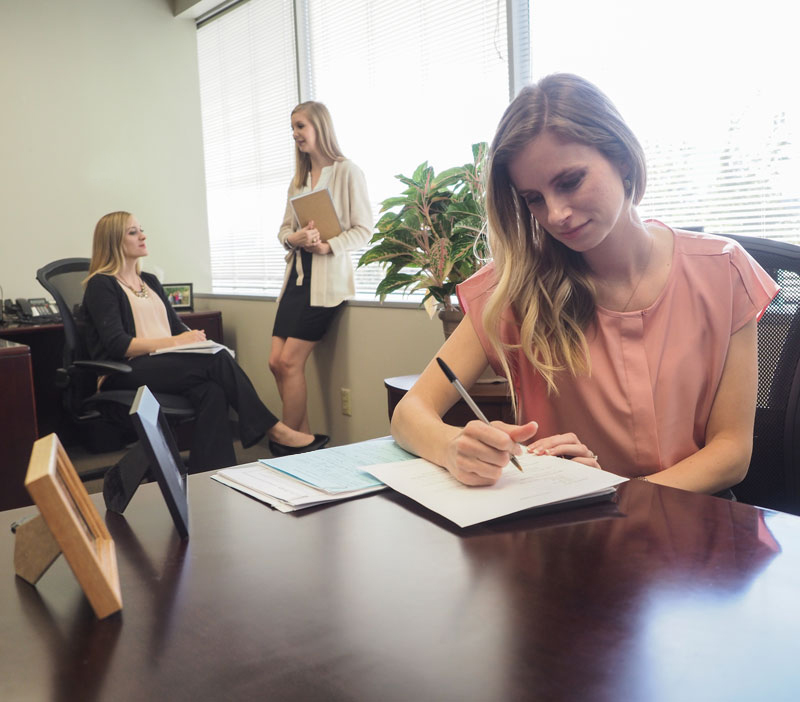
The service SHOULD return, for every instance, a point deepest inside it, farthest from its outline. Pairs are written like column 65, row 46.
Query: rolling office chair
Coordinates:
column 101, row 417
column 774, row 477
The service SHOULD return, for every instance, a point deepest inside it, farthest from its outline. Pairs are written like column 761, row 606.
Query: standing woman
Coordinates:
column 629, row 344
column 127, row 316
column 319, row 274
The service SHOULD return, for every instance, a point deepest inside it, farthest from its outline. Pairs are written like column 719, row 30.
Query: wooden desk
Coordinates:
column 492, row 398
column 46, row 342
column 664, row 596
column 18, row 429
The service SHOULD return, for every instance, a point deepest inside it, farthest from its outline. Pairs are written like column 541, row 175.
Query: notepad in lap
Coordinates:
column 207, row 346
column 317, row 206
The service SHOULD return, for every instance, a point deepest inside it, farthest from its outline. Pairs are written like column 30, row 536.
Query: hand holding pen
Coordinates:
column 470, row 402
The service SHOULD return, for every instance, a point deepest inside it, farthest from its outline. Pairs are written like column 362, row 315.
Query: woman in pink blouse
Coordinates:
column 630, row 346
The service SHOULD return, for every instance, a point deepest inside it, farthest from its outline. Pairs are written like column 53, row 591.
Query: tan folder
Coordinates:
column 317, row 206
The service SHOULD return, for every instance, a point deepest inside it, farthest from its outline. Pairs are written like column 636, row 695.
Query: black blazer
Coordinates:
column 108, row 318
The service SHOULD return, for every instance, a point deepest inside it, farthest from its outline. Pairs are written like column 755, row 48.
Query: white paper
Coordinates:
column 545, row 480
column 207, row 346
column 279, row 489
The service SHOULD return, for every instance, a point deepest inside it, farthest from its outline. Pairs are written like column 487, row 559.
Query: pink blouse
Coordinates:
column 654, row 372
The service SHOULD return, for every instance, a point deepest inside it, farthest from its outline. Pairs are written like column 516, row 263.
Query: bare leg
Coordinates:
column 275, row 352
column 288, row 364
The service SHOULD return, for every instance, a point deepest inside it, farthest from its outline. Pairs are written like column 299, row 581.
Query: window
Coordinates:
column 248, row 86
column 708, row 88
column 405, row 83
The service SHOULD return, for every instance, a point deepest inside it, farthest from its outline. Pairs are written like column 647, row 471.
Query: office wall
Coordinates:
column 364, row 346
column 101, row 111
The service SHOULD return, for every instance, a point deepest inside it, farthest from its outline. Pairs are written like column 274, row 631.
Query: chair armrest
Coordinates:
column 103, row 367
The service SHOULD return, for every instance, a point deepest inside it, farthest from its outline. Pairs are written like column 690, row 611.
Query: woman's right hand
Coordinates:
column 479, row 452
column 189, row 337
column 307, row 237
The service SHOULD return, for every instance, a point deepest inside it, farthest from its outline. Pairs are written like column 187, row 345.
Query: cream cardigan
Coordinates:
column 332, row 279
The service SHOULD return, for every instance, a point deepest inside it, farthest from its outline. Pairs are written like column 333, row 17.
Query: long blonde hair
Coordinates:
column 546, row 283
column 107, row 255
column 327, row 144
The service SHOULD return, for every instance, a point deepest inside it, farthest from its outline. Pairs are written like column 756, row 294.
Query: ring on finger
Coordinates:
column 594, row 457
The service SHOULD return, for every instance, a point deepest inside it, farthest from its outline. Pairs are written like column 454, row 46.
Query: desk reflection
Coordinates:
column 160, row 581
column 585, row 595
column 80, row 647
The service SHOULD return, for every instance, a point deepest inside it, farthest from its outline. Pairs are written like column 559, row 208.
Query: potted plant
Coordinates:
column 431, row 236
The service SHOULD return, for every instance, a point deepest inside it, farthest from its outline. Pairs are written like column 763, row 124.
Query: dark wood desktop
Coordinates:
column 46, row 342
column 663, row 595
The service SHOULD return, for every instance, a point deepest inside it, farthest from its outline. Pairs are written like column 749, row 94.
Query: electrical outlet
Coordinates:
column 347, row 408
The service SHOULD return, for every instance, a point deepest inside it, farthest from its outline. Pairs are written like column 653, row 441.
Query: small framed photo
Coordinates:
column 180, row 296
column 166, row 465
column 75, row 524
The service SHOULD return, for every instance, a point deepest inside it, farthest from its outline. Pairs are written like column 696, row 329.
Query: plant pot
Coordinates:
column 450, row 320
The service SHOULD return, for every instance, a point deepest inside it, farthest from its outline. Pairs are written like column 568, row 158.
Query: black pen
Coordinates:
column 465, row 396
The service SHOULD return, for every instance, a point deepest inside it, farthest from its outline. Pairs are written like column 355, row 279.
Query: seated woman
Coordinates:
column 628, row 344
column 128, row 317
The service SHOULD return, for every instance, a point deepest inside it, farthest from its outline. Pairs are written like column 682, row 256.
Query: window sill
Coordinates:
column 356, row 302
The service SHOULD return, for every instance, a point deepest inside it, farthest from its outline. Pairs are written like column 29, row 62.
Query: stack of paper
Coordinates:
column 545, row 481
column 207, row 346
column 293, row 482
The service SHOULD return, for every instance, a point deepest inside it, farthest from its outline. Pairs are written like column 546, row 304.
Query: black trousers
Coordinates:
column 212, row 383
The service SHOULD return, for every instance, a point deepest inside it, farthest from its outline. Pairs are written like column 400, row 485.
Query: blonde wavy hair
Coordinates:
column 321, row 120
column 107, row 254
column 545, row 283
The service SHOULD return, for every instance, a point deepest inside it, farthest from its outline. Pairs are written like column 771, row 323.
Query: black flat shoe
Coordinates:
column 283, row 450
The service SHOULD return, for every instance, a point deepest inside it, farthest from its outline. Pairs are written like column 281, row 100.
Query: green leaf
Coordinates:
column 418, row 173
column 397, row 201
column 394, row 282
column 449, row 177
column 479, row 152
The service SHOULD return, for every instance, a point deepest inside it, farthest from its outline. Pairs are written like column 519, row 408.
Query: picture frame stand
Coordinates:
column 166, row 464
column 68, row 522
column 123, row 479
column 35, row 548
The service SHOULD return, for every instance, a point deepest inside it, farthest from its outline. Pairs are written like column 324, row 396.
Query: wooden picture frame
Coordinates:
column 180, row 296
column 73, row 523
column 166, row 464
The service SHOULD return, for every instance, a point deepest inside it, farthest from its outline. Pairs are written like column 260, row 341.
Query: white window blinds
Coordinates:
column 248, row 87
column 708, row 88
column 404, row 81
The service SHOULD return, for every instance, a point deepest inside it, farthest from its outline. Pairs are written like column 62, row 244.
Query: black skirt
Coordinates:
column 296, row 318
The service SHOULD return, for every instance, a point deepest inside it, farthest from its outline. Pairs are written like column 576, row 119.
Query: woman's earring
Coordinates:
column 626, row 183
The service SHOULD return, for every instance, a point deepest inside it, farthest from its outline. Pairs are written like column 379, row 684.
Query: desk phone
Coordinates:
column 34, row 309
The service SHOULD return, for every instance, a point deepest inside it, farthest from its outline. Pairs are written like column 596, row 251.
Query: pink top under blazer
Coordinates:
column 654, row 372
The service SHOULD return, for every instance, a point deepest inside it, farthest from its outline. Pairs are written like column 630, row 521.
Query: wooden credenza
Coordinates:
column 18, row 428
column 46, row 342
column 492, row 398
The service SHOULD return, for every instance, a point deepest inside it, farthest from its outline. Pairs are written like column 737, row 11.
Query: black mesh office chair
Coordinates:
column 774, row 477
column 101, row 417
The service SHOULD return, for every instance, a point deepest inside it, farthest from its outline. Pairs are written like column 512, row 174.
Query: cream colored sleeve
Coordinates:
column 355, row 202
column 289, row 223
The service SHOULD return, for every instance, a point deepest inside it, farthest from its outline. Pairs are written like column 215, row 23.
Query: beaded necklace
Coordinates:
column 141, row 292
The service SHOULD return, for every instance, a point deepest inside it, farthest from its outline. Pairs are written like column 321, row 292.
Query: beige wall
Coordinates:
column 365, row 345
column 101, row 111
